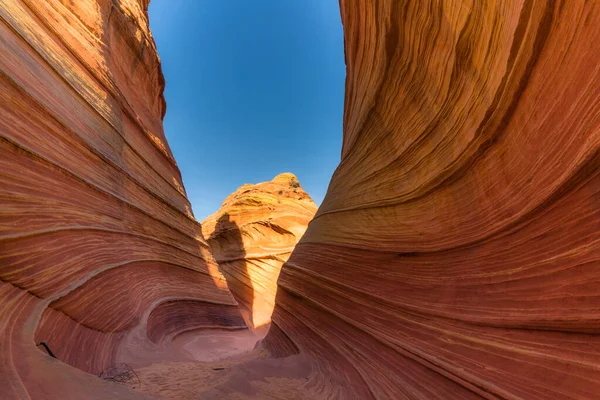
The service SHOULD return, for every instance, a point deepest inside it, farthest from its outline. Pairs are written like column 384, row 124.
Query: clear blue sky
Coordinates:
column 254, row 88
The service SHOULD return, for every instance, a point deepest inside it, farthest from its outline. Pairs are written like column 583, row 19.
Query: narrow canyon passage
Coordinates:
column 456, row 254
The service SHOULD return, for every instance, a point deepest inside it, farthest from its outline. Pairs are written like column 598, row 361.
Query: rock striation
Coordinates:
column 98, row 243
column 455, row 256
column 252, row 235
column 457, row 252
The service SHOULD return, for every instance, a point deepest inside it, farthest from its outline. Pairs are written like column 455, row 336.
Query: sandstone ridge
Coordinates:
column 253, row 234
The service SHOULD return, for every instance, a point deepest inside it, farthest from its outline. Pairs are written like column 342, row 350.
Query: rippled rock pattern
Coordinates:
column 99, row 247
column 455, row 256
column 457, row 252
column 253, row 234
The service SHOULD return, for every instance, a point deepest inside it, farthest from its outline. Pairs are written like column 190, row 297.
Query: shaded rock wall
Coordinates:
column 253, row 234
column 457, row 252
column 95, row 227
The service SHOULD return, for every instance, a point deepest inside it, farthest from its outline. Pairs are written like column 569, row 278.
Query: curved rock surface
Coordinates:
column 455, row 256
column 252, row 235
column 457, row 252
column 99, row 248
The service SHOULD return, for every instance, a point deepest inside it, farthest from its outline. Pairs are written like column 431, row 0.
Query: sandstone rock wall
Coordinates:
column 95, row 227
column 455, row 255
column 457, row 252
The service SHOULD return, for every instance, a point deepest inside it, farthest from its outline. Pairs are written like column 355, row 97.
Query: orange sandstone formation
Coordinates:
column 457, row 252
column 455, row 256
column 253, row 234
column 99, row 249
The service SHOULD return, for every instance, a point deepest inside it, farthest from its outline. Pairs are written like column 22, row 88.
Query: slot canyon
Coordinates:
column 456, row 254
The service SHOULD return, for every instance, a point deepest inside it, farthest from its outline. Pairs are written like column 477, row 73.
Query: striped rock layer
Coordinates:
column 253, row 234
column 455, row 256
column 98, row 245
column 457, row 252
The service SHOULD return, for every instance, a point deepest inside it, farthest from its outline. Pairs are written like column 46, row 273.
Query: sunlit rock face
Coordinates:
column 457, row 252
column 253, row 234
column 455, row 256
column 97, row 239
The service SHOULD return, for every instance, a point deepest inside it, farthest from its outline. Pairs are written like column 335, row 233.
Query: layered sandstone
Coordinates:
column 253, row 234
column 99, row 248
column 457, row 252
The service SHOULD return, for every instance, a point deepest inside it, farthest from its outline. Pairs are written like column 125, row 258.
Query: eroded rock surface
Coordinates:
column 253, row 234
column 99, row 248
column 457, row 252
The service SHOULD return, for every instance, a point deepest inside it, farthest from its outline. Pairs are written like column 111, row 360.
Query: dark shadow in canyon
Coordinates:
column 231, row 257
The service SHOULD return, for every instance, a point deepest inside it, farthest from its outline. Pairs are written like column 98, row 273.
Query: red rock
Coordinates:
column 456, row 254
column 99, row 248
column 252, row 235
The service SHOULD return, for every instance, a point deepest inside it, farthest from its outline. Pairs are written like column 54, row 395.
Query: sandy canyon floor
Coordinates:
column 225, row 365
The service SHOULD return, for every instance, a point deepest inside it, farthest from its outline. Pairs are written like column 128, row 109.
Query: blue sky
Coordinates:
column 254, row 88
